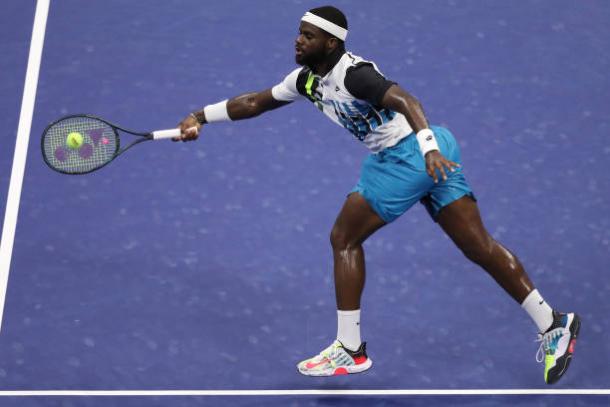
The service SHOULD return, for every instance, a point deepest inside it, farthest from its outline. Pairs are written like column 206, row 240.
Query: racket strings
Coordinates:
column 99, row 145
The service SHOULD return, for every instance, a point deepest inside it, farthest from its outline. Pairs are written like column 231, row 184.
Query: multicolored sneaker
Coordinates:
column 336, row 360
column 558, row 345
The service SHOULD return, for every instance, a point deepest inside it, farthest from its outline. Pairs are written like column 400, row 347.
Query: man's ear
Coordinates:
column 332, row 43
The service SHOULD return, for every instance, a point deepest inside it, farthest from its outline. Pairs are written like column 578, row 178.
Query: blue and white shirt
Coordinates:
column 350, row 95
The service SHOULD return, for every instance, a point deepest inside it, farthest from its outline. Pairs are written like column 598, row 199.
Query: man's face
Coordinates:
column 310, row 45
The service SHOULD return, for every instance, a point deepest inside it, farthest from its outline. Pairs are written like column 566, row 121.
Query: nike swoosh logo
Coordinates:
column 311, row 365
column 541, row 302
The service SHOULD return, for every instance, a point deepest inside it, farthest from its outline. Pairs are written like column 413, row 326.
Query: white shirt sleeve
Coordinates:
column 286, row 91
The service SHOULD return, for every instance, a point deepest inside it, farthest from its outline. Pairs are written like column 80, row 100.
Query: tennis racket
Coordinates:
column 95, row 144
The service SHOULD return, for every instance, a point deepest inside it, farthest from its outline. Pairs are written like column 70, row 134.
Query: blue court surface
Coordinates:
column 207, row 265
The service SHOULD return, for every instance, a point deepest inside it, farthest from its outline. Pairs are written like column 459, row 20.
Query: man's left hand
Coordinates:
column 436, row 161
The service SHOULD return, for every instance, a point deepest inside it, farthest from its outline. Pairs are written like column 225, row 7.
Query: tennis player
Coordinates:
column 410, row 161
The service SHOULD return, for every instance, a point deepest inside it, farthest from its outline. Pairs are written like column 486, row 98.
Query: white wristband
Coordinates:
column 427, row 142
column 216, row 112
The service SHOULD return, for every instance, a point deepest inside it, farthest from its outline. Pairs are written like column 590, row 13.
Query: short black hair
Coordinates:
column 334, row 15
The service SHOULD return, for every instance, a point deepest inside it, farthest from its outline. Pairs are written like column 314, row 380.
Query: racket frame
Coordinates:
column 114, row 127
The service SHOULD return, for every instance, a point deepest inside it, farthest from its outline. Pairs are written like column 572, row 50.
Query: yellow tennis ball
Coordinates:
column 74, row 140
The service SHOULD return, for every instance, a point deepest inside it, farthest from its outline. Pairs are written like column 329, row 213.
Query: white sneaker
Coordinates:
column 336, row 360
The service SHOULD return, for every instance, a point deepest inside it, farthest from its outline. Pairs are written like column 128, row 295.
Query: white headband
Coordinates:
column 326, row 25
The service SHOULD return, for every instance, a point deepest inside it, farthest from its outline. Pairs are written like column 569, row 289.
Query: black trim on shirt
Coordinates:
column 302, row 80
column 365, row 83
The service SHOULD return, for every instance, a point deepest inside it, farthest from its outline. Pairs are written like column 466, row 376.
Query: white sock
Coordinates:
column 348, row 328
column 538, row 310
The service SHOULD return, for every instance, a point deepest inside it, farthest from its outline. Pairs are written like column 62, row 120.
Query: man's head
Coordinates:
column 322, row 32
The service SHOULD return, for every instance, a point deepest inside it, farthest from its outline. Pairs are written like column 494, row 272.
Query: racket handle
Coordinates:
column 170, row 133
column 163, row 134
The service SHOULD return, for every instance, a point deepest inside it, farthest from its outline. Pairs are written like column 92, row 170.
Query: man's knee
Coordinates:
column 340, row 239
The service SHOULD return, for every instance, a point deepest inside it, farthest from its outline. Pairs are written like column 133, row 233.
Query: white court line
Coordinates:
column 398, row 392
column 21, row 147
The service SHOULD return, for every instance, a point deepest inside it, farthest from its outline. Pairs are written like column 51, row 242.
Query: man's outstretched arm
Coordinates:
column 238, row 108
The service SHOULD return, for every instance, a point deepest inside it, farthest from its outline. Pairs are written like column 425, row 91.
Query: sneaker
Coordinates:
column 336, row 360
column 557, row 345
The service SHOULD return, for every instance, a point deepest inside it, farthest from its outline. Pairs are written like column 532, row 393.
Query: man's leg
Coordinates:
column 355, row 223
column 462, row 222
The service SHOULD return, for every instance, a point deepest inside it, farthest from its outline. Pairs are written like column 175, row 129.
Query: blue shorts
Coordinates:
column 395, row 178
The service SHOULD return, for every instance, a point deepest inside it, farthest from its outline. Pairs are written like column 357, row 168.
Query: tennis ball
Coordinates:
column 74, row 140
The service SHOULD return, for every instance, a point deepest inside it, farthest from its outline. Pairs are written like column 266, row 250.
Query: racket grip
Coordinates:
column 170, row 133
column 163, row 134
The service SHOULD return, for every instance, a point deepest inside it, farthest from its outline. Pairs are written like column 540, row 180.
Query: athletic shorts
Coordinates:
column 394, row 179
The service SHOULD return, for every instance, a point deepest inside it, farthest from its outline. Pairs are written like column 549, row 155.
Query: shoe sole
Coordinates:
column 565, row 360
column 339, row 371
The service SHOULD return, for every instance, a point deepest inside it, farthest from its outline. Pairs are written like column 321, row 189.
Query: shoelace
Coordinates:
column 330, row 352
column 546, row 343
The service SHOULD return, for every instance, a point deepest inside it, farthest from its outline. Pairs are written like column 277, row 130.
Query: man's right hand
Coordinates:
column 189, row 127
